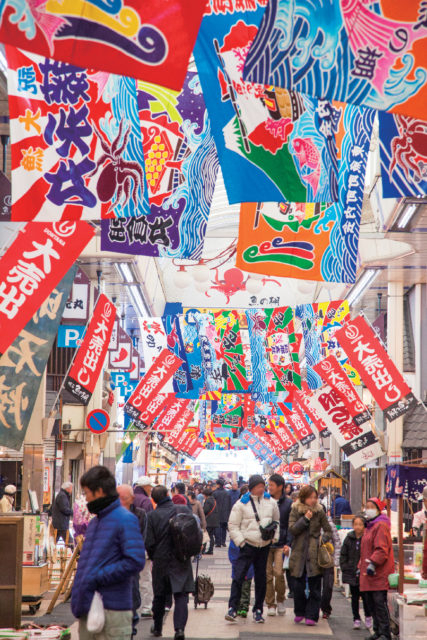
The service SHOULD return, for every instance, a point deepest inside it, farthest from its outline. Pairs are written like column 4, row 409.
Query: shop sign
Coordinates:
column 89, row 360
column 121, row 358
column 77, row 306
column 70, row 335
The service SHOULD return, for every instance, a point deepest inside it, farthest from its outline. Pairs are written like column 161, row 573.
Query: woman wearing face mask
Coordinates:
column 376, row 564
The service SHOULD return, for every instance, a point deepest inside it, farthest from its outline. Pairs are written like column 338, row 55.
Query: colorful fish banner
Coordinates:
column 403, row 155
column 193, row 353
column 181, row 378
column 308, row 241
column 367, row 53
column 272, row 144
column 260, row 449
column 148, row 40
column 23, row 363
column 76, row 141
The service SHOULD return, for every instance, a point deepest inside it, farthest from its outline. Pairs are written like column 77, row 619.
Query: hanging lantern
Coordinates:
column 253, row 286
column 202, row 287
column 201, row 272
column 181, row 278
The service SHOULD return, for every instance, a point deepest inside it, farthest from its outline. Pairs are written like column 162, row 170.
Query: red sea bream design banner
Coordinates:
column 150, row 40
column 31, row 268
column 87, row 365
column 368, row 356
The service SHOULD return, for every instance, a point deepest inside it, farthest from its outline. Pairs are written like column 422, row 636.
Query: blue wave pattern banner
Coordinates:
column 273, row 144
column 366, row 52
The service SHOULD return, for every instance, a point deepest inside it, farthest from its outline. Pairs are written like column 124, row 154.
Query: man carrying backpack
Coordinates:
column 172, row 568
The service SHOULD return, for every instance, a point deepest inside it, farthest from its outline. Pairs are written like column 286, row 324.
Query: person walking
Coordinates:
column 197, row 509
column 212, row 518
column 112, row 553
column 234, row 493
column 179, row 490
column 8, row 500
column 142, row 492
column 328, row 577
column 306, row 521
column 62, row 511
column 349, row 563
column 339, row 507
column 275, row 596
column 170, row 575
column 223, row 503
column 376, row 563
column 249, row 517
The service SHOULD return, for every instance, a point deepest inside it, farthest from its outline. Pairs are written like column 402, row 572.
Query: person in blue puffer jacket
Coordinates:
column 113, row 552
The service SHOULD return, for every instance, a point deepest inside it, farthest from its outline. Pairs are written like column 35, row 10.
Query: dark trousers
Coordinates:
column 258, row 557
column 289, row 580
column 355, row 597
column 211, row 533
column 180, row 612
column 307, row 607
column 220, row 534
column 377, row 603
column 327, row 590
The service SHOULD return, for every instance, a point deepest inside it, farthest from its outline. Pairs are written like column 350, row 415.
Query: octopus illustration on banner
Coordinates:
column 76, row 142
column 181, row 164
column 403, row 154
column 273, row 144
column 115, row 35
column 366, row 52
column 312, row 241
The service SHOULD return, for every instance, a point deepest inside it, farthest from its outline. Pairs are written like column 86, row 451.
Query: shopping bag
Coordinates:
column 96, row 615
column 286, row 560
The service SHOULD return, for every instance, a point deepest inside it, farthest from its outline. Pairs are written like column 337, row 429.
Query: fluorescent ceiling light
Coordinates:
column 364, row 282
column 134, row 289
column 125, row 271
column 406, row 215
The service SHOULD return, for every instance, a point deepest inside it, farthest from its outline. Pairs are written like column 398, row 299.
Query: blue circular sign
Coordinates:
column 98, row 421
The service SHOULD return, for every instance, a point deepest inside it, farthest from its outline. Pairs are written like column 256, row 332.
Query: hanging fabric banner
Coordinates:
column 193, row 353
column 303, row 399
column 121, row 357
column 89, row 360
column 259, row 449
column 32, row 266
column 181, row 378
column 406, row 481
column 280, row 427
column 403, row 155
column 76, row 142
column 332, row 373
column 146, row 40
column 306, row 241
column 154, row 341
column 272, row 144
column 368, row 53
column 23, row 363
column 300, row 426
column 358, row 442
column 154, row 381
column 377, row 370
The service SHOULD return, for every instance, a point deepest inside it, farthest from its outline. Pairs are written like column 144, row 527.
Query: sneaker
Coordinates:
column 326, row 616
column 310, row 623
column 298, row 619
column 146, row 613
column 258, row 616
column 368, row 622
column 179, row 634
column 281, row 608
column 242, row 613
column 357, row 624
column 271, row 611
column 157, row 633
column 231, row 615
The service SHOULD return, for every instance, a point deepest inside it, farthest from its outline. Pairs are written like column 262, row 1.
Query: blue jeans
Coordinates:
column 221, row 534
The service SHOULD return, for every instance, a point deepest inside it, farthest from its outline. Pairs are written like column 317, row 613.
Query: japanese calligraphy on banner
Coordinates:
column 153, row 410
column 23, row 363
column 371, row 54
column 304, row 401
column 121, row 357
column 162, row 369
column 259, row 449
column 358, row 442
column 181, row 378
column 146, row 40
column 272, row 144
column 76, row 141
column 88, row 362
column 403, row 155
column 32, row 266
column 193, row 353
column 300, row 426
column 280, row 428
column 77, row 305
column 330, row 370
column 368, row 356
column 306, row 241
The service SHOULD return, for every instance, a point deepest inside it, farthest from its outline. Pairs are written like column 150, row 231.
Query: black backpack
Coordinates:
column 186, row 534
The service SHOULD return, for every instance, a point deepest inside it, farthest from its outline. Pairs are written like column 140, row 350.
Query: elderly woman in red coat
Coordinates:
column 376, row 564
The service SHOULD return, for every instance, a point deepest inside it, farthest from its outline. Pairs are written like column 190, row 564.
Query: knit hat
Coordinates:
column 254, row 480
column 179, row 499
column 379, row 503
column 10, row 489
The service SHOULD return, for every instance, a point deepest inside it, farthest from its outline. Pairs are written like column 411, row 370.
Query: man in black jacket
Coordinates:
column 169, row 574
column 62, row 511
column 275, row 574
column 223, row 504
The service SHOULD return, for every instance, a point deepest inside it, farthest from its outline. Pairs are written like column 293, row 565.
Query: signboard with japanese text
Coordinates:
column 377, row 370
column 77, row 306
column 32, row 266
column 148, row 40
column 332, row 373
column 135, row 365
column 162, row 370
column 23, row 363
column 358, row 442
column 114, row 339
column 121, row 358
column 89, row 360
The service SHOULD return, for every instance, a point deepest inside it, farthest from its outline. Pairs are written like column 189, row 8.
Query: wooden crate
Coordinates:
column 35, row 580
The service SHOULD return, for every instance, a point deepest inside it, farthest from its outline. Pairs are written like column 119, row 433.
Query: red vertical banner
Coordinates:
column 32, row 266
column 304, row 402
column 281, row 429
column 300, row 426
column 331, row 371
column 168, row 420
column 377, row 370
column 87, row 365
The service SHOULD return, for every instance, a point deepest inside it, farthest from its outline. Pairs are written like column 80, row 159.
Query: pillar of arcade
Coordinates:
column 395, row 351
